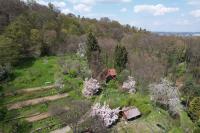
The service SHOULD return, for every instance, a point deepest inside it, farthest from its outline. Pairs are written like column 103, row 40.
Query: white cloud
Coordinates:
column 114, row 1
column 42, row 2
column 82, row 8
column 86, row 5
column 100, row 15
column 183, row 22
column 97, row 1
column 66, row 11
column 194, row 2
column 59, row 4
column 157, row 23
column 123, row 10
column 156, row 10
column 195, row 13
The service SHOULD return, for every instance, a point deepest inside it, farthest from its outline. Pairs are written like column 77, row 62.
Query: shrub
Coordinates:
column 73, row 73
column 176, row 130
column 194, row 108
column 21, row 127
column 196, row 130
column 142, row 103
column 9, row 50
column 3, row 112
column 181, row 69
column 5, row 71
column 123, row 76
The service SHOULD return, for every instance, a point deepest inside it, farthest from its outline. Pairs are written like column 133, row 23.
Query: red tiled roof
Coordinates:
column 111, row 72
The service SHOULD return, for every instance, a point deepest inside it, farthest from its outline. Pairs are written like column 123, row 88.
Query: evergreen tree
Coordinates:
column 92, row 45
column 195, row 108
column 93, row 53
column 121, row 58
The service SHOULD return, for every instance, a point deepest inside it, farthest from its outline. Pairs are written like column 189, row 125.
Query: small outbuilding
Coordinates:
column 130, row 113
column 111, row 74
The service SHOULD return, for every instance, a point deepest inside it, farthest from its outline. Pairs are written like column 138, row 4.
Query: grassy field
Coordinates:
column 33, row 73
column 41, row 72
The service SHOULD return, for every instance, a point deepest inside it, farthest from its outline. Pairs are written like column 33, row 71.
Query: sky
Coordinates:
column 153, row 15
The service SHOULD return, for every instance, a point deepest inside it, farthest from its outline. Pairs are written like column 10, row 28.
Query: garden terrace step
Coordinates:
column 21, row 91
column 38, row 117
column 44, row 115
column 22, row 104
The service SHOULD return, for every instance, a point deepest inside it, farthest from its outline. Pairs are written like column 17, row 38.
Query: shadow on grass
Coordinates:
column 25, row 63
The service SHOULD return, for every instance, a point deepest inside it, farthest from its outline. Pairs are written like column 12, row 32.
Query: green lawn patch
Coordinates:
column 35, row 74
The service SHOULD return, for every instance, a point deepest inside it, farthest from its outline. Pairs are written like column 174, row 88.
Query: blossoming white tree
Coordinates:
column 107, row 115
column 129, row 85
column 81, row 50
column 166, row 94
column 91, row 87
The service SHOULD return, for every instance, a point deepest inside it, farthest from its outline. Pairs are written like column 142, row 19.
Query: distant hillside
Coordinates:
column 178, row 33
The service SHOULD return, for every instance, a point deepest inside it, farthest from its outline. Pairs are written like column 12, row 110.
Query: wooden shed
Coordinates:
column 111, row 74
column 130, row 113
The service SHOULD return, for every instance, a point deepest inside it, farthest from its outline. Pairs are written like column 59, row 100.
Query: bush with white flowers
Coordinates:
column 91, row 87
column 107, row 115
column 129, row 85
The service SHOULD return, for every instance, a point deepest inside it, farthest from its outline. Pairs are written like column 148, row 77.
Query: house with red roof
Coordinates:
column 111, row 74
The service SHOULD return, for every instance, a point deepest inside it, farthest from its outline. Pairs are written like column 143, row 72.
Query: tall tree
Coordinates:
column 92, row 45
column 93, row 55
column 121, row 58
column 9, row 51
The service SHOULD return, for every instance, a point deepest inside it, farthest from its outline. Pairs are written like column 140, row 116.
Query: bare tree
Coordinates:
column 93, row 125
column 72, row 116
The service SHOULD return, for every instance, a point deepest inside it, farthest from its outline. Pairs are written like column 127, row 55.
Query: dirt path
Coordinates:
column 29, row 90
column 41, row 116
column 62, row 130
column 22, row 104
column 38, row 117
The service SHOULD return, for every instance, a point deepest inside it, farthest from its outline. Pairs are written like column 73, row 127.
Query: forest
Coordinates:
column 54, row 55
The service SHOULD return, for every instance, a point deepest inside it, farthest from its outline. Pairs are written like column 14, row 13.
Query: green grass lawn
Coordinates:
column 55, row 122
column 157, row 121
column 115, row 97
column 33, row 73
column 153, row 119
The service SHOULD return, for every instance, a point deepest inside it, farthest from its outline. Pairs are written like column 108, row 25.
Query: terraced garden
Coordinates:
column 31, row 94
